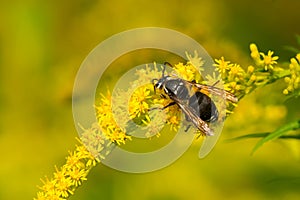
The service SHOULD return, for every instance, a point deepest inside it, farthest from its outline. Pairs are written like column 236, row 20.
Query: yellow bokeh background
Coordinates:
column 42, row 45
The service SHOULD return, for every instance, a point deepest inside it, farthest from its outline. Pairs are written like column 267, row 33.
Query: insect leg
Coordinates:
column 163, row 96
column 170, row 104
column 187, row 128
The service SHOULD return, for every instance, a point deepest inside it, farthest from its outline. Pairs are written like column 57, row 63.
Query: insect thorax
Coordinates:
column 177, row 88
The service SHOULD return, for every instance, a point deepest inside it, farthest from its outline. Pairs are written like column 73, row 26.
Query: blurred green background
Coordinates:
column 42, row 44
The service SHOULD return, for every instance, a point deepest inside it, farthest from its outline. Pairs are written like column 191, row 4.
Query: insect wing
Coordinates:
column 197, row 121
column 215, row 91
column 209, row 142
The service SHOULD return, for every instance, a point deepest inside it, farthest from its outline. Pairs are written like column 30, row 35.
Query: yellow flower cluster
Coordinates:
column 96, row 142
column 107, row 123
column 135, row 105
column 241, row 82
column 233, row 76
column 191, row 70
column 139, row 102
column 266, row 61
column 294, row 79
column 67, row 178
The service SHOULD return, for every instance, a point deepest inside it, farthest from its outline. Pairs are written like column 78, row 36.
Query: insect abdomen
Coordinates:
column 204, row 107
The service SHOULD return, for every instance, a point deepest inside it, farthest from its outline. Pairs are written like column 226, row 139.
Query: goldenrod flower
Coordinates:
column 250, row 69
column 186, row 72
column 174, row 122
column 63, row 187
column 155, row 123
column 266, row 61
column 293, row 79
column 48, row 185
column 136, row 103
column 67, row 178
column 264, row 71
column 195, row 61
column 222, row 66
column 106, row 124
column 269, row 60
column 77, row 175
column 139, row 104
column 236, row 73
column 255, row 54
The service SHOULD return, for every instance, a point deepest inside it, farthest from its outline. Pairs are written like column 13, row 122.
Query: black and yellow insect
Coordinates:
column 192, row 99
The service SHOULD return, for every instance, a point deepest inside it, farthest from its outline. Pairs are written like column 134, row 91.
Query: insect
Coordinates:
column 192, row 99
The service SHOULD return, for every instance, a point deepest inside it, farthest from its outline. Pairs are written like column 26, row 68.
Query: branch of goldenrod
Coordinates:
column 69, row 177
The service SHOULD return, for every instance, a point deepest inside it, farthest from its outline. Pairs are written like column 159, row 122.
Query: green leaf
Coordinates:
column 248, row 136
column 294, row 94
column 292, row 49
column 277, row 133
column 261, row 135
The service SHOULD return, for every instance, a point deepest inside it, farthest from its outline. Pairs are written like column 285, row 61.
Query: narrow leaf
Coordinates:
column 261, row 135
column 277, row 133
column 295, row 94
column 291, row 49
column 248, row 136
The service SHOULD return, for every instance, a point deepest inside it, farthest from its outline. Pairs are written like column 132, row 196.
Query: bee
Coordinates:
column 192, row 99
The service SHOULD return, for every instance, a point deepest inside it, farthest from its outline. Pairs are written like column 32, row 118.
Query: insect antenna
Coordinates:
column 164, row 69
column 152, row 81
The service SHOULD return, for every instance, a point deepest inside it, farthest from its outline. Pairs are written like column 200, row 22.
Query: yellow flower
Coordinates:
column 250, row 69
column 236, row 71
column 195, row 60
column 73, row 160
column 58, row 175
column 253, row 47
column 67, row 178
column 41, row 196
column 269, row 60
column 186, row 72
column 255, row 54
column 77, row 176
column 222, row 65
column 174, row 122
column 155, row 123
column 285, row 91
column 138, row 104
column 263, row 60
column 63, row 187
column 48, row 185
column 293, row 80
column 107, row 124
